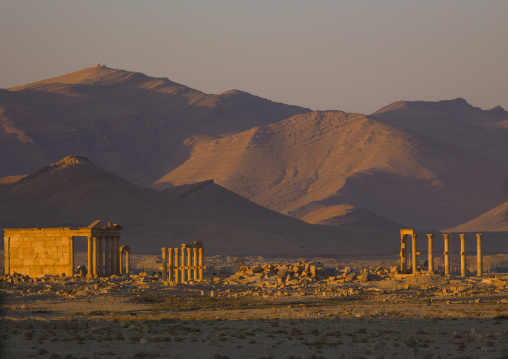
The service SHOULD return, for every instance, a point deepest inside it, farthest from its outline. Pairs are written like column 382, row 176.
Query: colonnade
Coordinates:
column 104, row 256
column 182, row 265
column 447, row 253
column 127, row 251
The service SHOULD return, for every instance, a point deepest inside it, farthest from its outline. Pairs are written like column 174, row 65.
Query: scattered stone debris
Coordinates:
column 313, row 304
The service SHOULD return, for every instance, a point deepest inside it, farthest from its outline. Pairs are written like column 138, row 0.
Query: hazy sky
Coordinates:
column 355, row 56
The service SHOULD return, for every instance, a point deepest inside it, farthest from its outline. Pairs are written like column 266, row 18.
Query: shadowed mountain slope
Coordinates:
column 210, row 196
column 455, row 122
column 224, row 221
column 344, row 214
column 495, row 220
column 323, row 159
column 133, row 125
column 19, row 212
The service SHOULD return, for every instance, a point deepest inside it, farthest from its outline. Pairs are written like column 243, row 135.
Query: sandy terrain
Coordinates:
column 390, row 316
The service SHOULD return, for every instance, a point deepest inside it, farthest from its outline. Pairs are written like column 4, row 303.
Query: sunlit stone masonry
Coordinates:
column 39, row 251
column 404, row 253
column 183, row 268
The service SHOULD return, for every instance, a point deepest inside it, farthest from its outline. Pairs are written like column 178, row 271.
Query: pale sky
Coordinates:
column 354, row 56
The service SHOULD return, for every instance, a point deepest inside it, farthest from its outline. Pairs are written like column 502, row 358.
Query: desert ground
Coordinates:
column 352, row 309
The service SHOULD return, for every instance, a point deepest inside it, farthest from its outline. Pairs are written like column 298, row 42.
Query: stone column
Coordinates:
column 107, row 258
column 403, row 253
column 195, row 264
column 431, row 252
column 415, row 254
column 89, row 268
column 164, row 265
column 112, row 264
column 95, row 254
column 462, row 255
column 177, row 271
column 201, row 264
column 446, row 253
column 189, row 264
column 71, row 256
column 120, row 260
column 117, row 255
column 171, row 266
column 100, row 268
column 7, row 255
column 183, row 266
column 127, row 263
column 479, row 257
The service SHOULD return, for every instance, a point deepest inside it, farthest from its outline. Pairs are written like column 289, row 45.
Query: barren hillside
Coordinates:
column 455, row 122
column 133, row 125
column 223, row 221
column 344, row 214
column 495, row 220
column 323, row 159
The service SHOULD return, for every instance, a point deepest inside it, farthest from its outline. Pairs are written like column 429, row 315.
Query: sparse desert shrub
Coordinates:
column 411, row 342
column 135, row 338
column 41, row 351
column 140, row 355
column 295, row 331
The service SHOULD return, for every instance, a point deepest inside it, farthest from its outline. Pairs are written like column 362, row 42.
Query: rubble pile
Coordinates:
column 303, row 273
column 271, row 275
column 66, row 286
column 300, row 279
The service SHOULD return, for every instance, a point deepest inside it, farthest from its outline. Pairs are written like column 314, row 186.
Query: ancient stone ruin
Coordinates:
column 404, row 253
column 186, row 269
column 37, row 252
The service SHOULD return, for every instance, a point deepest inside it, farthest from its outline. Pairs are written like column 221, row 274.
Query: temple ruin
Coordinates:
column 37, row 252
column 404, row 253
column 189, row 267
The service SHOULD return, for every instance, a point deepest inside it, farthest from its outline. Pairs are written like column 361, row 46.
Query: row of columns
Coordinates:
column 183, row 268
column 447, row 253
column 127, row 251
column 103, row 263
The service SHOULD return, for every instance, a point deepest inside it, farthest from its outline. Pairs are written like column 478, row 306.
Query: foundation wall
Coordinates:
column 37, row 252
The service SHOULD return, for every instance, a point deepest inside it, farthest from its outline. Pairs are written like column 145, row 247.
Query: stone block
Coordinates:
column 38, row 324
column 27, row 250
column 71, row 324
column 24, row 324
column 256, row 269
column 50, row 325
column 15, row 262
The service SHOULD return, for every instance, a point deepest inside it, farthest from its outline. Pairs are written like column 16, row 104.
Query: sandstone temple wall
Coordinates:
column 37, row 252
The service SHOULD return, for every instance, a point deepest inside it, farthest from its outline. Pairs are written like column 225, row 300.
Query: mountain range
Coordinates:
column 173, row 164
column 74, row 192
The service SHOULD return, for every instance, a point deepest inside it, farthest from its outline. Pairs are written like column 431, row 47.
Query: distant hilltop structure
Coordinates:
column 100, row 64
